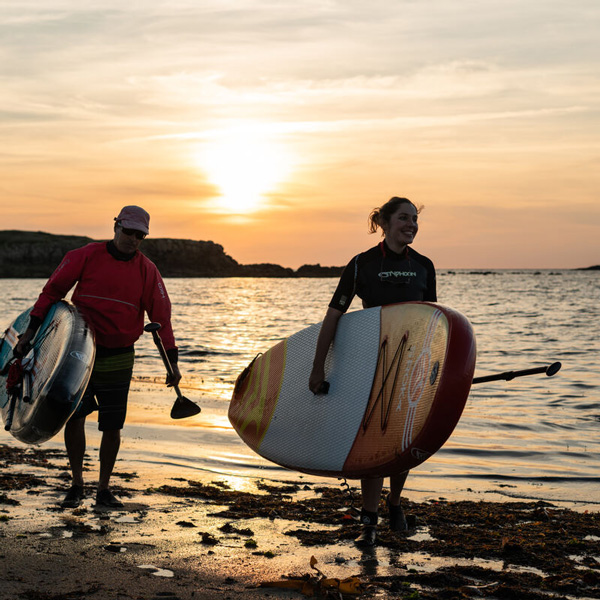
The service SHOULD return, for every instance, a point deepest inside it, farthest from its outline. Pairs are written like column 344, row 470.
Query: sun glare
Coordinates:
column 245, row 166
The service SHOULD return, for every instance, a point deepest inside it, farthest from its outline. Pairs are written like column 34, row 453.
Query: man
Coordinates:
column 116, row 285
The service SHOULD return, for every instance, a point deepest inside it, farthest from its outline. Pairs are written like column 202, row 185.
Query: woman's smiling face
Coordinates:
column 402, row 227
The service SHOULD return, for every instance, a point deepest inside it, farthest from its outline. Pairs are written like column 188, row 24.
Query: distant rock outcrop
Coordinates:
column 189, row 258
column 25, row 254
column 34, row 253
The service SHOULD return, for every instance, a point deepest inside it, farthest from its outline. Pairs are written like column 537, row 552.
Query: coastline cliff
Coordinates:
column 27, row 254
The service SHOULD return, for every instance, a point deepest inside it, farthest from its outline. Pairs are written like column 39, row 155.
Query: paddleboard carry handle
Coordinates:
column 549, row 370
column 183, row 407
column 244, row 374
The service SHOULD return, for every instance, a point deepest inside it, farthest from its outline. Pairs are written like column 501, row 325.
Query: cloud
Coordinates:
column 435, row 99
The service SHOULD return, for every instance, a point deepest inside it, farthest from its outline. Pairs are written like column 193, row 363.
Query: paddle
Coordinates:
column 508, row 375
column 182, row 407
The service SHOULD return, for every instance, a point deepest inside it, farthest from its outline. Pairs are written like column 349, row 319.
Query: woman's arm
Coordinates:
column 326, row 335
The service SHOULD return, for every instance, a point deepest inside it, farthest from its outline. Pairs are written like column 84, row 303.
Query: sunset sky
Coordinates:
column 273, row 127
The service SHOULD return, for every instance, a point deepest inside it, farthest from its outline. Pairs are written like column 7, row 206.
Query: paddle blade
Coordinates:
column 183, row 408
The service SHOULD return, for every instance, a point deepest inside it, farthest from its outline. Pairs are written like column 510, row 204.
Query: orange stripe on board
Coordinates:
column 409, row 392
column 255, row 399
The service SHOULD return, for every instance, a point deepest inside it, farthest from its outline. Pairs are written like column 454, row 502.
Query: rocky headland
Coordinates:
column 25, row 254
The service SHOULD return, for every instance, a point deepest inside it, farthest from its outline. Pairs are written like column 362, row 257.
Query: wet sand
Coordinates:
column 224, row 536
column 186, row 539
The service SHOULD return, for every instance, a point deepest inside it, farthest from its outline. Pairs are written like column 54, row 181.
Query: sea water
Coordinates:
column 534, row 437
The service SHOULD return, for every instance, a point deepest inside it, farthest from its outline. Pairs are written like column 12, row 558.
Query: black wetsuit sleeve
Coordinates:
column 346, row 288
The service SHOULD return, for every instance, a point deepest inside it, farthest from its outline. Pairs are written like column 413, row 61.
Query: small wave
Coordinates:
column 271, row 471
column 201, row 352
column 188, row 383
column 584, row 406
column 484, row 453
column 524, row 478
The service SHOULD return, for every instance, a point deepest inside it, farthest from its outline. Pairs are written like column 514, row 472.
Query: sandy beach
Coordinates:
column 224, row 537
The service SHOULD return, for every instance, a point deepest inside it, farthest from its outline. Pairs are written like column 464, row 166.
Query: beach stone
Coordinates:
column 185, row 524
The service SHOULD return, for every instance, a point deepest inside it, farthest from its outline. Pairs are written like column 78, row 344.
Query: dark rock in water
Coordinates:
column 264, row 270
column 318, row 271
column 26, row 254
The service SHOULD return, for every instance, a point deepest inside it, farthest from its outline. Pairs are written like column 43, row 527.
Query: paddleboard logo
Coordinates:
column 420, row 455
column 417, row 381
column 79, row 356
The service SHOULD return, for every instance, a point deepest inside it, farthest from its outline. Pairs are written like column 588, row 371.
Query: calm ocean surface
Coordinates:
column 534, row 437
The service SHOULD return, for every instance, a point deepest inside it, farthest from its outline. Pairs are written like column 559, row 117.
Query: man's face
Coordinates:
column 126, row 240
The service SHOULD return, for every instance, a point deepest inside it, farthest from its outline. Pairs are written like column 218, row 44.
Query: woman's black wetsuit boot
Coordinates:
column 369, row 533
column 397, row 518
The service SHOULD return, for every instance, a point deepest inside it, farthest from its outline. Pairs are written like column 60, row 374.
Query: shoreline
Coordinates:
column 184, row 539
column 152, row 445
column 189, row 533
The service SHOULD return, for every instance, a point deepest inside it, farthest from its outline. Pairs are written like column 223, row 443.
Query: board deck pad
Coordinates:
column 63, row 356
column 399, row 378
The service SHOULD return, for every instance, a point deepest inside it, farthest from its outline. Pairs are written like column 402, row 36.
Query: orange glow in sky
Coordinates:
column 273, row 129
column 246, row 166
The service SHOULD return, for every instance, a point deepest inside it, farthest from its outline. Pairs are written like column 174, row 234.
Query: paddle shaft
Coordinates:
column 153, row 328
column 549, row 370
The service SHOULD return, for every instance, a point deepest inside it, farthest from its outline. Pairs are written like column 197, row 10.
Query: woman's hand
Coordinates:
column 316, row 380
column 326, row 335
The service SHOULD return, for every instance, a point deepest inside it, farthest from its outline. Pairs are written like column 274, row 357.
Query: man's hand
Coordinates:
column 22, row 347
column 176, row 378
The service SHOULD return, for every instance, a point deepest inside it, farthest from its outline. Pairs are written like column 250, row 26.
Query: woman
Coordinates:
column 390, row 272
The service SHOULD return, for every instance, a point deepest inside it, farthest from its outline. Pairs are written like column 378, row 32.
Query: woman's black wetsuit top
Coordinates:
column 380, row 276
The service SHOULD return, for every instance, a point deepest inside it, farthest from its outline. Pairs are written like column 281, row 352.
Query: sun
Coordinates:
column 245, row 164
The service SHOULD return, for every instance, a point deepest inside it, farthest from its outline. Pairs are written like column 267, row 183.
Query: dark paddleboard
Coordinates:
column 58, row 370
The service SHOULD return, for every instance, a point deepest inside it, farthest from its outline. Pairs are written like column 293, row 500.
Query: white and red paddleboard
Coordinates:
column 399, row 378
